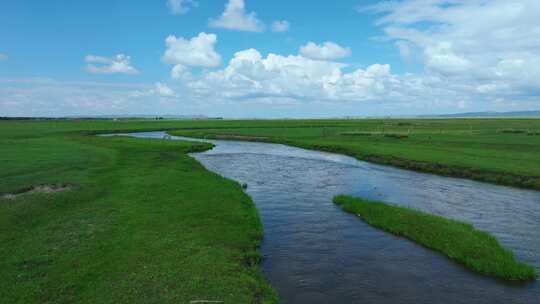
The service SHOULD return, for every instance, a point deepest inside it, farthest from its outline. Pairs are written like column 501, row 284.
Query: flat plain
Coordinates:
column 114, row 219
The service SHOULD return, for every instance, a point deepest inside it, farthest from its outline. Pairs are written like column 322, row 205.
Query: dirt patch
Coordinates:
column 51, row 188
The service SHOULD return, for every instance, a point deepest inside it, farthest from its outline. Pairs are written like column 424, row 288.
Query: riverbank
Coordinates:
column 459, row 171
column 139, row 222
column 475, row 149
column 459, row 241
column 499, row 151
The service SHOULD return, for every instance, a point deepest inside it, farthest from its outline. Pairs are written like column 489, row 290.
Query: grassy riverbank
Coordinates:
column 501, row 151
column 135, row 220
column 459, row 241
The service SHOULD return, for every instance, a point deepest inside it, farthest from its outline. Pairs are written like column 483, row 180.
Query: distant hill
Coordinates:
column 489, row 114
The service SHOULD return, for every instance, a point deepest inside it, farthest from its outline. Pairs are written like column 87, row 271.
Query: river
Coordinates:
column 316, row 253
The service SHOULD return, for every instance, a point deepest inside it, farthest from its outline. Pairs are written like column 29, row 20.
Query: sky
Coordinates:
column 268, row 59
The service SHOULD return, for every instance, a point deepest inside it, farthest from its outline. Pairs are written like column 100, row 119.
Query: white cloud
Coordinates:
column 180, row 72
column 326, row 51
column 280, row 26
column 196, row 52
column 47, row 97
column 3, row 57
column 249, row 75
column 442, row 58
column 235, row 17
column 297, row 80
column 477, row 55
column 119, row 64
column 180, row 7
column 163, row 90
column 491, row 46
column 159, row 89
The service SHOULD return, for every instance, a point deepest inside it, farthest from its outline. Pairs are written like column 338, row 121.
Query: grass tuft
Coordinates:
column 461, row 242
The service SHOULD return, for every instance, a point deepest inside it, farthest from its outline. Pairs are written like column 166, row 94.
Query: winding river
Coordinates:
column 316, row 253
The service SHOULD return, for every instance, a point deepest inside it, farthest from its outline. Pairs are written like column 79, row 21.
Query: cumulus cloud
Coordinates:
column 3, row 57
column 235, row 17
column 180, row 72
column 489, row 45
column 180, row 7
column 249, row 75
column 272, row 80
column 163, row 90
column 198, row 51
column 119, row 64
column 280, row 26
column 325, row 51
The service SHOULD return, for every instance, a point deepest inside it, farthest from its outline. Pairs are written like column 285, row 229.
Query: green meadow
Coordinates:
column 459, row 241
column 137, row 221
column 93, row 219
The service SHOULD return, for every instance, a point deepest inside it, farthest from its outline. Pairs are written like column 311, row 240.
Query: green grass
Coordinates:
column 142, row 223
column 468, row 148
column 459, row 241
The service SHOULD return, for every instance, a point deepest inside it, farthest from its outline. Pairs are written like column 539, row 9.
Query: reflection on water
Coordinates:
column 315, row 253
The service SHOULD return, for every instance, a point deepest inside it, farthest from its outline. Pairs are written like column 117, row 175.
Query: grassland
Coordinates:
column 459, row 241
column 139, row 221
column 500, row 151
column 142, row 222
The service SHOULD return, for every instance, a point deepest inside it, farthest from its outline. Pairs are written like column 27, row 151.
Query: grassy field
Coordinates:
column 138, row 221
column 502, row 151
column 459, row 241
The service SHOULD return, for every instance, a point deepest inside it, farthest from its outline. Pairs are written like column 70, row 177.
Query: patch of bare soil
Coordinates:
column 53, row 188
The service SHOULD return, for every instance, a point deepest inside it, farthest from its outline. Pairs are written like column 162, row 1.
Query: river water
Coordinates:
column 316, row 253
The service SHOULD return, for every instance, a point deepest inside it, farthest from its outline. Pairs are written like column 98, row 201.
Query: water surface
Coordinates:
column 316, row 253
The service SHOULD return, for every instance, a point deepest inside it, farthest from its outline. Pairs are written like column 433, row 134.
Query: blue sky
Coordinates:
column 365, row 57
column 52, row 37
